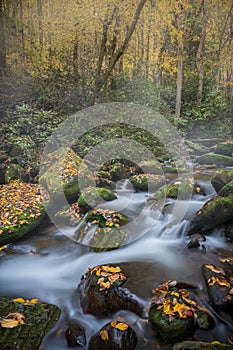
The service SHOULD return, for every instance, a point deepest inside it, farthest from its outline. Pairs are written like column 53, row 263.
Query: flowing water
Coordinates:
column 54, row 271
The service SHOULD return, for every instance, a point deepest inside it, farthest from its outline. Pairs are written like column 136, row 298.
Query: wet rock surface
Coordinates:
column 221, row 178
column 101, row 292
column 198, row 345
column 75, row 334
column 25, row 322
column 115, row 335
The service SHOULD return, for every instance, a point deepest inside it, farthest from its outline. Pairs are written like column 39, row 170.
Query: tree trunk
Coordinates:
column 102, row 77
column 22, row 31
column 199, row 56
column 40, row 15
column 2, row 38
column 179, row 79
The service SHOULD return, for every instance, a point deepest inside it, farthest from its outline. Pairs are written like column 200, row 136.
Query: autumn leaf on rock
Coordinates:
column 104, row 335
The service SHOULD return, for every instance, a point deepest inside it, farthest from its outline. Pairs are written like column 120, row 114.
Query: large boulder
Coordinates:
column 21, row 210
column 91, row 197
column 215, row 159
column 101, row 229
column 199, row 345
column 63, row 177
column 24, row 323
column 101, row 292
column 226, row 190
column 221, row 178
column 115, row 335
column 219, row 287
column 178, row 188
column 225, row 148
column 216, row 211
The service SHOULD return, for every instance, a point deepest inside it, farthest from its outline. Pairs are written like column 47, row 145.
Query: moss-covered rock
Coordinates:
column 101, row 292
column 70, row 215
column 215, row 159
column 226, row 190
column 150, row 167
column 145, row 182
column 15, row 172
column 102, row 227
column 183, row 189
column 119, row 171
column 103, row 179
column 35, row 319
column 115, row 335
column 195, row 147
column 64, row 175
column 221, row 178
column 91, row 197
column 216, row 211
column 21, row 210
column 198, row 345
column 219, row 287
column 225, row 148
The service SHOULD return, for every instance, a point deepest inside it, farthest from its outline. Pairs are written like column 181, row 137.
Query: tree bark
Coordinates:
column 199, row 56
column 179, row 82
column 40, row 15
column 2, row 38
column 102, row 77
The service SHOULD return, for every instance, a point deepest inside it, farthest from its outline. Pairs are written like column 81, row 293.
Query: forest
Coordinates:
column 116, row 174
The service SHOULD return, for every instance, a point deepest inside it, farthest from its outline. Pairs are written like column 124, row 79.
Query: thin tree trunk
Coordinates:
column 22, row 31
column 40, row 15
column 199, row 56
column 179, row 79
column 2, row 38
column 102, row 77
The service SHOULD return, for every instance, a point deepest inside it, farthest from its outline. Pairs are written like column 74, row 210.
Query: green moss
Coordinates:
column 173, row 330
column 225, row 148
column 215, row 159
column 197, row 345
column 92, row 195
column 221, row 178
column 184, row 190
column 195, row 147
column 143, row 182
column 226, row 190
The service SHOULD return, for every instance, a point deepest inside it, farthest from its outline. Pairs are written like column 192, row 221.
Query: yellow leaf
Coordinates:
column 7, row 323
column 121, row 326
column 16, row 316
column 19, row 300
column 212, row 268
column 1, row 231
column 2, row 247
column 104, row 334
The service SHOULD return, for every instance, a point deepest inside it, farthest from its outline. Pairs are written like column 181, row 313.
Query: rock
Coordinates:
column 196, row 148
column 115, row 335
column 119, row 171
column 198, row 345
column 92, row 197
column 147, row 182
column 101, row 229
column 229, row 231
column 225, row 148
column 70, row 215
column 75, row 335
column 2, row 174
column 101, row 292
column 15, row 172
column 64, row 175
column 24, row 212
column 219, row 287
column 173, row 312
column 193, row 243
column 215, row 159
column 216, row 211
column 103, row 179
column 204, row 320
column 35, row 319
column 173, row 170
column 150, row 167
column 221, row 178
column 183, row 189
column 226, row 190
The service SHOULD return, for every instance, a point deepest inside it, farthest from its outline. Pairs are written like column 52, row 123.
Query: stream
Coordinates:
column 48, row 265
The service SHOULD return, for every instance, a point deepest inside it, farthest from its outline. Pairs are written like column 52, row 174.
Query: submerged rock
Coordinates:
column 21, row 210
column 225, row 148
column 219, row 287
column 215, row 159
column 216, row 211
column 25, row 322
column 101, row 292
column 199, row 345
column 221, row 178
column 115, row 335
column 75, row 335
column 91, row 197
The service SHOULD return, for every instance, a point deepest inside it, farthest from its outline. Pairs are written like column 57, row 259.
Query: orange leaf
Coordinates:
column 19, row 300
column 121, row 326
column 104, row 334
column 7, row 323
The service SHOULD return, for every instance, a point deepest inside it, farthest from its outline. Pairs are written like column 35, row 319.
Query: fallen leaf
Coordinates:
column 104, row 334
column 7, row 323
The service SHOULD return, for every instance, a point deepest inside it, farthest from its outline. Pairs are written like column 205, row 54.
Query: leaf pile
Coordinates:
column 106, row 276
column 175, row 303
column 19, row 202
column 106, row 218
